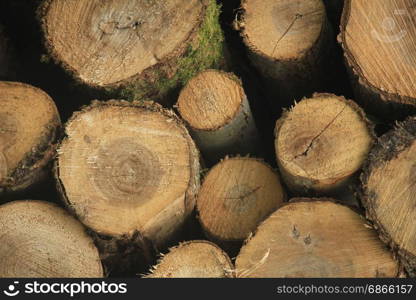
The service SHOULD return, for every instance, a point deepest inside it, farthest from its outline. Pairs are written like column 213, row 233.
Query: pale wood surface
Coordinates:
column 194, row 259
column 380, row 41
column 27, row 117
column 127, row 167
column 314, row 238
column 283, row 29
column 321, row 142
column 236, row 195
column 40, row 239
column 105, row 42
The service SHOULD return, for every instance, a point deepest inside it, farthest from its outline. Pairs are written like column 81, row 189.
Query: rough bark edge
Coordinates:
column 232, row 245
column 229, row 273
column 389, row 146
column 35, row 165
column 118, row 252
column 204, row 48
column 239, row 83
column 323, row 200
column 308, row 185
column 386, row 102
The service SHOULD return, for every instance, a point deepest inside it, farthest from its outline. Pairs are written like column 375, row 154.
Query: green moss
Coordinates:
column 205, row 52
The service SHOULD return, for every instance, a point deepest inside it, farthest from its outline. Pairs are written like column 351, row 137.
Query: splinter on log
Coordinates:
column 288, row 41
column 216, row 109
column 134, row 48
column 29, row 124
column 315, row 238
column 39, row 239
column 321, row 143
column 237, row 194
column 379, row 41
column 389, row 190
column 127, row 168
column 194, row 259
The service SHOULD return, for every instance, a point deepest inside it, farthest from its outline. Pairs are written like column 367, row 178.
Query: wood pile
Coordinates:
column 204, row 138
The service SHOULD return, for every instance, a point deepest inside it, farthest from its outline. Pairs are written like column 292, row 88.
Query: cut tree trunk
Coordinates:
column 130, row 172
column 389, row 190
column 288, row 42
column 194, row 259
column 237, row 194
column 29, row 126
column 134, row 48
column 379, row 39
column 315, row 238
column 321, row 143
column 40, row 239
column 217, row 111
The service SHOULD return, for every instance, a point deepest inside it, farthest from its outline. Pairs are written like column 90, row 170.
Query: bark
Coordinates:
column 388, row 191
column 29, row 129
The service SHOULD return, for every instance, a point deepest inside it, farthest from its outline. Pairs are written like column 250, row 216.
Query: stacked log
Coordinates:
column 378, row 38
column 389, row 189
column 321, row 143
column 217, row 111
column 135, row 49
column 288, row 42
column 39, row 239
column 130, row 172
column 315, row 238
column 236, row 195
column 194, row 259
column 29, row 128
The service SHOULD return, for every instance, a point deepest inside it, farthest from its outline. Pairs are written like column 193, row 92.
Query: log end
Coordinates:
column 194, row 259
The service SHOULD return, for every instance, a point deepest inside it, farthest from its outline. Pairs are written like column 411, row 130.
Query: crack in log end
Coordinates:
column 110, row 27
column 309, row 147
column 241, row 198
column 295, row 232
column 307, row 240
column 297, row 17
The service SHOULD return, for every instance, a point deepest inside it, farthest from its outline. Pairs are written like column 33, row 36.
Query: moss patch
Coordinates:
column 162, row 82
